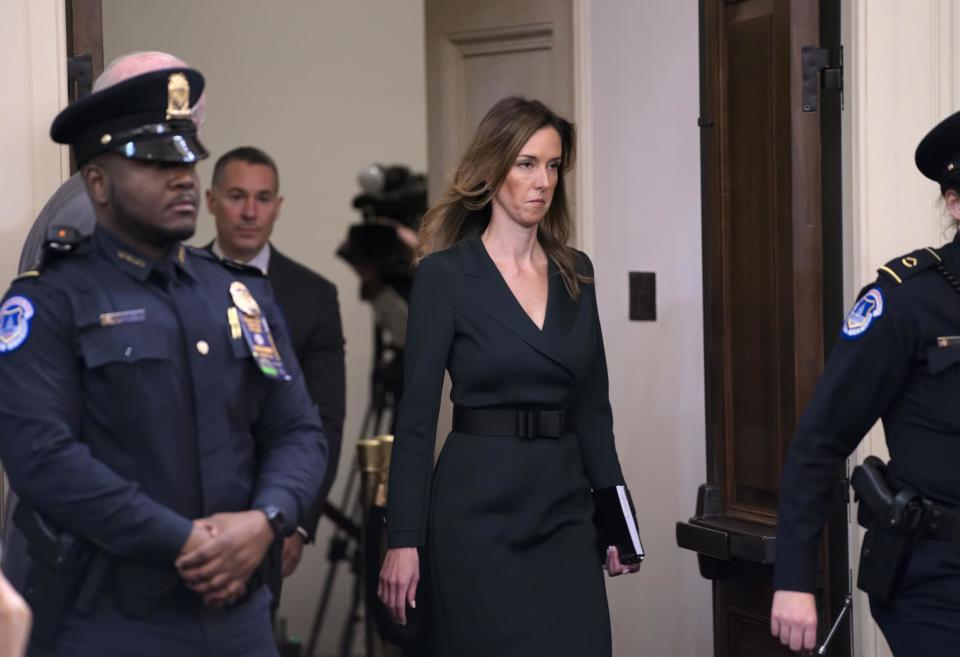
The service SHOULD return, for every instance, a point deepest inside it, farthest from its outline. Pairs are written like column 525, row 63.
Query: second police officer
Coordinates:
column 898, row 360
column 153, row 418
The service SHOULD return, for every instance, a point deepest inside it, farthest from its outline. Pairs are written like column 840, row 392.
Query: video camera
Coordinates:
column 379, row 248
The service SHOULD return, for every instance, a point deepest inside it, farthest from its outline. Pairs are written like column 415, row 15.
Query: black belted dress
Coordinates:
column 505, row 522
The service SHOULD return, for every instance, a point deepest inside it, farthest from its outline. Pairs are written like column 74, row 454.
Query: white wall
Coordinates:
column 902, row 60
column 33, row 69
column 643, row 92
column 326, row 88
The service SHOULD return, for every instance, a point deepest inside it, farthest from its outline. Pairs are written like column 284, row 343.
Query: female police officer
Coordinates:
column 898, row 360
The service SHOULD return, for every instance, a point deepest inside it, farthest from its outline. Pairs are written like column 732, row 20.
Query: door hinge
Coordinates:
column 818, row 73
column 79, row 76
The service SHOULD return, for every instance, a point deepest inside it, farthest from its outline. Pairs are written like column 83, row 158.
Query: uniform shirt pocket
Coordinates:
column 131, row 343
column 940, row 359
column 131, row 380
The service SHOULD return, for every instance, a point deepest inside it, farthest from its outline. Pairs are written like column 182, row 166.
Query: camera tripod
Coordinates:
column 345, row 545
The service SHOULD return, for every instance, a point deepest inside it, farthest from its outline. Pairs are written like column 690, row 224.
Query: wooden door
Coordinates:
column 84, row 49
column 771, row 278
column 480, row 52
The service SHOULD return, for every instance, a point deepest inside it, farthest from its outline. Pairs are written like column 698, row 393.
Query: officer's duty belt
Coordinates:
column 940, row 523
column 517, row 422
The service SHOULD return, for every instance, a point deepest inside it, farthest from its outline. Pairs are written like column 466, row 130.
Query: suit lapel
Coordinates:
column 491, row 294
column 277, row 268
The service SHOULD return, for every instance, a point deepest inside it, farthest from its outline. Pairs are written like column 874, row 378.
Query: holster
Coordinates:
column 58, row 567
column 893, row 522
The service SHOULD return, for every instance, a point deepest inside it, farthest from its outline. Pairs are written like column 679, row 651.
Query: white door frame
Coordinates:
column 583, row 172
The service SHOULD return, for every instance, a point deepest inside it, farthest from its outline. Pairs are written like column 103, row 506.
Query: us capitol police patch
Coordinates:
column 15, row 314
column 868, row 308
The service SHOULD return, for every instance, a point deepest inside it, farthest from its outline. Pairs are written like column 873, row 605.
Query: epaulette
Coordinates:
column 30, row 273
column 900, row 269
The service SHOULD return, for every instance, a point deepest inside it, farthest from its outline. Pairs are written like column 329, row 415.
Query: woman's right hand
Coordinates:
column 793, row 618
column 398, row 582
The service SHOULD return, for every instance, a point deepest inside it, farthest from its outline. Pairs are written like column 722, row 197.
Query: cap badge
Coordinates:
column 178, row 97
column 243, row 300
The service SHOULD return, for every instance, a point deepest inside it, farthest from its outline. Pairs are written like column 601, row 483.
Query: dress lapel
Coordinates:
column 491, row 294
column 563, row 308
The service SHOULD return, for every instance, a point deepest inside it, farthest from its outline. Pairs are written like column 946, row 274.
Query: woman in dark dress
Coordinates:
column 504, row 521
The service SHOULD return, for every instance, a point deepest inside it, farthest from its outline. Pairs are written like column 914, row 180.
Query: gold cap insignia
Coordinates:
column 243, row 300
column 909, row 261
column 178, row 97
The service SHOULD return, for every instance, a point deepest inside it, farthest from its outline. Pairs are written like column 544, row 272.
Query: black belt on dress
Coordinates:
column 517, row 422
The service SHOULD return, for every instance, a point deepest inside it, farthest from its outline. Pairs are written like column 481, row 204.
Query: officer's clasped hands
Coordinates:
column 222, row 554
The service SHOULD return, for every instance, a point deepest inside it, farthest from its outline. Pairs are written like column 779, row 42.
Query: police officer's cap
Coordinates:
column 938, row 155
column 146, row 117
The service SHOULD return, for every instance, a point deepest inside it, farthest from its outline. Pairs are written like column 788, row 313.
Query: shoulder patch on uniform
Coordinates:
column 868, row 308
column 15, row 314
column 902, row 268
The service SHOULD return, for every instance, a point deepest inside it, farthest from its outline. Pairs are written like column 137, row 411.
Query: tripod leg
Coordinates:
column 353, row 615
column 348, row 498
column 325, row 596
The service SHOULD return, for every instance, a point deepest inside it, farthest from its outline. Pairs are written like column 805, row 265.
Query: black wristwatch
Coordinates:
column 277, row 522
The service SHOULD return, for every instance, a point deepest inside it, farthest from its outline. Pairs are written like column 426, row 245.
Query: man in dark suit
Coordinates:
column 245, row 201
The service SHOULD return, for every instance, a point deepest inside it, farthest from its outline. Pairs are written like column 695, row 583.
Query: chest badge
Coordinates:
column 867, row 309
column 15, row 314
column 256, row 332
column 243, row 300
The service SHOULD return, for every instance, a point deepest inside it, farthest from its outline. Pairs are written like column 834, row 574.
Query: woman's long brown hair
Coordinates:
column 464, row 209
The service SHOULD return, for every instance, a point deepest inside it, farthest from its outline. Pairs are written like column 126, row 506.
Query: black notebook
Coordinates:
column 616, row 522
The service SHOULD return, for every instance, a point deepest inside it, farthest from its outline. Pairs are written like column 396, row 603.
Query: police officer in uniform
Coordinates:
column 898, row 360
column 153, row 418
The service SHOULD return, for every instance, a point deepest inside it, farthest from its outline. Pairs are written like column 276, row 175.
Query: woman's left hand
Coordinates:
column 613, row 565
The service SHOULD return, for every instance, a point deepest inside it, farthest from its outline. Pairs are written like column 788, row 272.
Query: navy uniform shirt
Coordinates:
column 898, row 360
column 130, row 407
